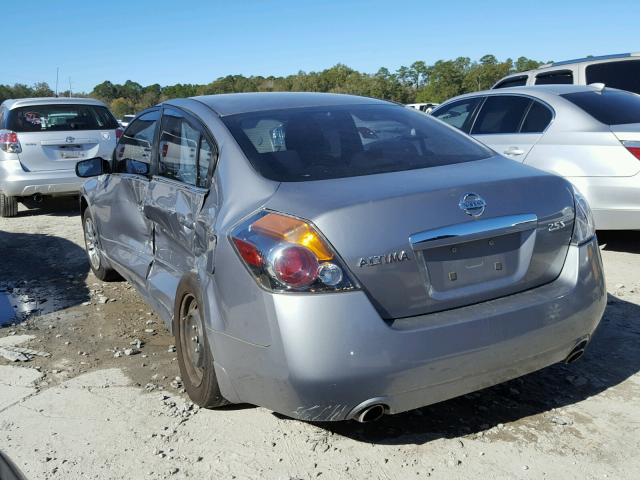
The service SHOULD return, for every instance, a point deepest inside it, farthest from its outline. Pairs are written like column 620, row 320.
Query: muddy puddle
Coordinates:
column 17, row 304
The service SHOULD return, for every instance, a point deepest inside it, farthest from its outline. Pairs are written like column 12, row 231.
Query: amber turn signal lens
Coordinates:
column 294, row 231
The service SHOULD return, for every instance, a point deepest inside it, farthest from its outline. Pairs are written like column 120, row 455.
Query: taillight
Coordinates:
column 9, row 142
column 285, row 253
column 633, row 147
column 119, row 132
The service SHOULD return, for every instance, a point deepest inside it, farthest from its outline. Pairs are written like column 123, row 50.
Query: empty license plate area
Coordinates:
column 71, row 152
column 474, row 262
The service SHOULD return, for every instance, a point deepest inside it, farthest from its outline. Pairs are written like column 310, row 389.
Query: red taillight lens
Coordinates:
column 119, row 132
column 248, row 252
column 9, row 142
column 294, row 266
column 635, row 151
column 286, row 253
column 632, row 147
column 9, row 137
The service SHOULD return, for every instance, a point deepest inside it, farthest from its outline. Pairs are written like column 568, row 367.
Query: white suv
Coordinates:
column 42, row 139
column 620, row 71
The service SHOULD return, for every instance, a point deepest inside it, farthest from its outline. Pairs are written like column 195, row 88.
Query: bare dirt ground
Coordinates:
column 89, row 410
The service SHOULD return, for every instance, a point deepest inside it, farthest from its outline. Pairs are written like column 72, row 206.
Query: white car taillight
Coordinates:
column 285, row 253
column 9, row 142
column 632, row 147
column 584, row 228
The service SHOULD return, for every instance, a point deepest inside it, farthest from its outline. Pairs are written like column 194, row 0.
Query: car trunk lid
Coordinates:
column 409, row 242
column 58, row 150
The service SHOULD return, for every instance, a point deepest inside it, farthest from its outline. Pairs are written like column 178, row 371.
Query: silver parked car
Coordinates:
column 588, row 134
column 41, row 139
column 335, row 257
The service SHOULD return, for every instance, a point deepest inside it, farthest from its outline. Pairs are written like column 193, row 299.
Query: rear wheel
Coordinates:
column 194, row 355
column 98, row 264
column 8, row 206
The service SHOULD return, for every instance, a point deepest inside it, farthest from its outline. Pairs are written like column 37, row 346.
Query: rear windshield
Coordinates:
column 611, row 107
column 345, row 141
column 623, row 75
column 41, row 118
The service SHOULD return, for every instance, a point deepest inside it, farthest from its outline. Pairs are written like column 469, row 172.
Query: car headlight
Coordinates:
column 584, row 228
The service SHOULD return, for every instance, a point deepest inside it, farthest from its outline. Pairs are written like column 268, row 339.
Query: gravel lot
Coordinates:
column 89, row 410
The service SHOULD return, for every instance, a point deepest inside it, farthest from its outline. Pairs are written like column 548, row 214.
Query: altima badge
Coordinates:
column 392, row 257
column 472, row 204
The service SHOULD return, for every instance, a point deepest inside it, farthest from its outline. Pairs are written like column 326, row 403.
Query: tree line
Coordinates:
column 418, row 82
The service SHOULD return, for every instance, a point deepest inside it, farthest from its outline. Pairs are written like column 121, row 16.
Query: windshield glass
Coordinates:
column 344, row 141
column 611, row 107
column 40, row 118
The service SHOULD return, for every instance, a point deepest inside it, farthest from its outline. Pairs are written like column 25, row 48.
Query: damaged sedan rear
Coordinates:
column 334, row 257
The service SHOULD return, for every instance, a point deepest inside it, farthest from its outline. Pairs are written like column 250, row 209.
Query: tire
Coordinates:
column 194, row 355
column 8, row 206
column 97, row 262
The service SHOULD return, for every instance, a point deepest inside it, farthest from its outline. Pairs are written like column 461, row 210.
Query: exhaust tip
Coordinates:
column 577, row 352
column 371, row 414
column 574, row 356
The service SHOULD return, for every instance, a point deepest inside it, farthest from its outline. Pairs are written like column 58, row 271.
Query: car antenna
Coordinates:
column 598, row 85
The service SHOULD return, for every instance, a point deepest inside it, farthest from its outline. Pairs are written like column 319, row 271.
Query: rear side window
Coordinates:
column 314, row 143
column 538, row 118
column 44, row 118
column 458, row 114
column 513, row 82
column 557, row 77
column 622, row 75
column 501, row 114
column 611, row 107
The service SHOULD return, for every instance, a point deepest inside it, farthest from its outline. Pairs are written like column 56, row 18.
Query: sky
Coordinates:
column 170, row 42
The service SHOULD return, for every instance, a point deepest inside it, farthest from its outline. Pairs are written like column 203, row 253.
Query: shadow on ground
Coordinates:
column 620, row 240
column 39, row 274
column 612, row 357
column 67, row 206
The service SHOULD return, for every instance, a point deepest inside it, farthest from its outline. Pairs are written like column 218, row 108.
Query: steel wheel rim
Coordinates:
column 91, row 244
column 192, row 339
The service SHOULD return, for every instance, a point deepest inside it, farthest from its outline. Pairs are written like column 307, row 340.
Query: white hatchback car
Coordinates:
column 42, row 139
column 588, row 134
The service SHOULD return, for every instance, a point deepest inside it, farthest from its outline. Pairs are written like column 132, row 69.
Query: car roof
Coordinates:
column 234, row 103
column 27, row 102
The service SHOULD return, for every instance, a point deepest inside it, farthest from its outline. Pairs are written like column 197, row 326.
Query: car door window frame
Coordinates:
column 154, row 146
column 522, row 120
column 205, row 134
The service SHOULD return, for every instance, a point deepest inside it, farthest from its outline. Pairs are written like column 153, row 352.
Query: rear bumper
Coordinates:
column 333, row 353
column 14, row 181
column 615, row 201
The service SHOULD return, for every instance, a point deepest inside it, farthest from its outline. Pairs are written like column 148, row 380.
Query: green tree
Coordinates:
column 41, row 89
column 105, row 91
column 122, row 106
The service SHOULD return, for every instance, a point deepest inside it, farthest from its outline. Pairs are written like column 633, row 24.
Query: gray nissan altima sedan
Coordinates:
column 334, row 257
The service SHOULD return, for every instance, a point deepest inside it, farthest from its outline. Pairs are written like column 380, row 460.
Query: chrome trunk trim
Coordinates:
column 473, row 230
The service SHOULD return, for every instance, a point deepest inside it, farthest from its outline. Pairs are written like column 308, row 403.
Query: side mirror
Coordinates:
column 92, row 167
